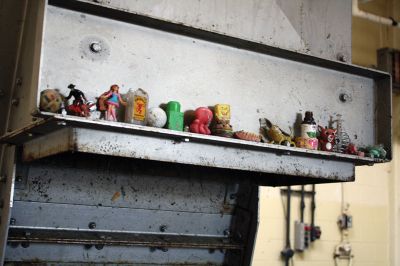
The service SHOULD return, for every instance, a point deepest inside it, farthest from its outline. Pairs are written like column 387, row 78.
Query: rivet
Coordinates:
column 99, row 246
column 95, row 47
column 92, row 225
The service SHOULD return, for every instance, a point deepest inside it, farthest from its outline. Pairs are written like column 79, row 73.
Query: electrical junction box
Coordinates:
column 345, row 221
column 301, row 236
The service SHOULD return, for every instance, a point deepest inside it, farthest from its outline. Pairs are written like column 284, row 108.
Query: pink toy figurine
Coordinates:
column 112, row 99
column 202, row 121
column 326, row 138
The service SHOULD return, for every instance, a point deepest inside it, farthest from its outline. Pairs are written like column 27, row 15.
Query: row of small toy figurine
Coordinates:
column 312, row 136
column 136, row 110
column 318, row 138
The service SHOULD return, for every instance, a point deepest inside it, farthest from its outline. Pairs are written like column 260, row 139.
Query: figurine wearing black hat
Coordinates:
column 78, row 95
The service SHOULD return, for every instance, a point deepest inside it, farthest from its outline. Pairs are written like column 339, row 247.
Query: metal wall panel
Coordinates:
column 318, row 27
column 117, row 255
column 200, row 73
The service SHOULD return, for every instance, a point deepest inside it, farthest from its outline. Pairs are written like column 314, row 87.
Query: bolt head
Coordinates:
column 99, row 246
column 95, row 47
column 92, row 225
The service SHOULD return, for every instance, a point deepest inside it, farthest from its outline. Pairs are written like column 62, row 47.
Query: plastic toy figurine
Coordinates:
column 275, row 134
column 79, row 96
column 352, row 149
column 82, row 110
column 326, row 138
column 174, row 116
column 80, row 106
column 203, row 119
column 376, row 151
column 247, row 136
column 108, row 102
column 222, row 125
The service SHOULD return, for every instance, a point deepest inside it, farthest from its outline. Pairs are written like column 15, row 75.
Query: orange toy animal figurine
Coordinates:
column 202, row 121
column 112, row 99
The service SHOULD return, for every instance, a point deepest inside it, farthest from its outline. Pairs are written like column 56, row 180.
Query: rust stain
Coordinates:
column 116, row 196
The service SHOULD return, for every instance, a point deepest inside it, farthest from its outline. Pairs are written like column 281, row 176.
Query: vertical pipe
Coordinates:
column 302, row 205
column 312, row 213
column 289, row 192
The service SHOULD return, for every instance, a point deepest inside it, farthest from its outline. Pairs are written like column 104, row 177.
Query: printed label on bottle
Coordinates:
column 308, row 131
column 139, row 108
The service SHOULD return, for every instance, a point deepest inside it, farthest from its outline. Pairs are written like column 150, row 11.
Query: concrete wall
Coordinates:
column 374, row 197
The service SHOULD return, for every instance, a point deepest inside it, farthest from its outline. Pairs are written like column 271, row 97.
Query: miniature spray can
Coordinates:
column 174, row 116
column 136, row 111
column 309, row 132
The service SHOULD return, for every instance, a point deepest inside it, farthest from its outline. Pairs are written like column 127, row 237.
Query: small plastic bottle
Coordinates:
column 309, row 131
column 136, row 110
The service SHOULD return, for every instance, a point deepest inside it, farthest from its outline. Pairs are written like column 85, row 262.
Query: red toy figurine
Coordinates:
column 202, row 121
column 326, row 138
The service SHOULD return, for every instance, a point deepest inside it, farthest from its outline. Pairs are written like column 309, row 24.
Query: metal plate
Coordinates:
column 124, row 140
column 321, row 28
column 202, row 73
column 112, row 219
column 122, row 255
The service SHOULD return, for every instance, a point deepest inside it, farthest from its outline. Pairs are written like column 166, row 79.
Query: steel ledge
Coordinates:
column 57, row 134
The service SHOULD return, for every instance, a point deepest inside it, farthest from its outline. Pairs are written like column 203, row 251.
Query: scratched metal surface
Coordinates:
column 123, row 255
column 199, row 73
column 124, row 195
column 119, row 182
column 145, row 221
column 320, row 28
column 172, row 150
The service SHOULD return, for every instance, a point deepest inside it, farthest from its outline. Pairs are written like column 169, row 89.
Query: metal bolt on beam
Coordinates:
column 99, row 246
column 233, row 196
column 95, row 47
column 227, row 232
column 92, row 225
column 13, row 221
column 163, row 228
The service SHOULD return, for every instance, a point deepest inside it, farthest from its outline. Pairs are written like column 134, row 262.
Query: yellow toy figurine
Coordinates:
column 275, row 134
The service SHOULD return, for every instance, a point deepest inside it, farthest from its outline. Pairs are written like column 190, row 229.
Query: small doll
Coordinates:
column 109, row 101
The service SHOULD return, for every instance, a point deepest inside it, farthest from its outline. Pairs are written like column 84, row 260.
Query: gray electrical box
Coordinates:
column 301, row 236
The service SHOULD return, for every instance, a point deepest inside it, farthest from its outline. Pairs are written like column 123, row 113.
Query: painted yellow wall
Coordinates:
column 374, row 196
